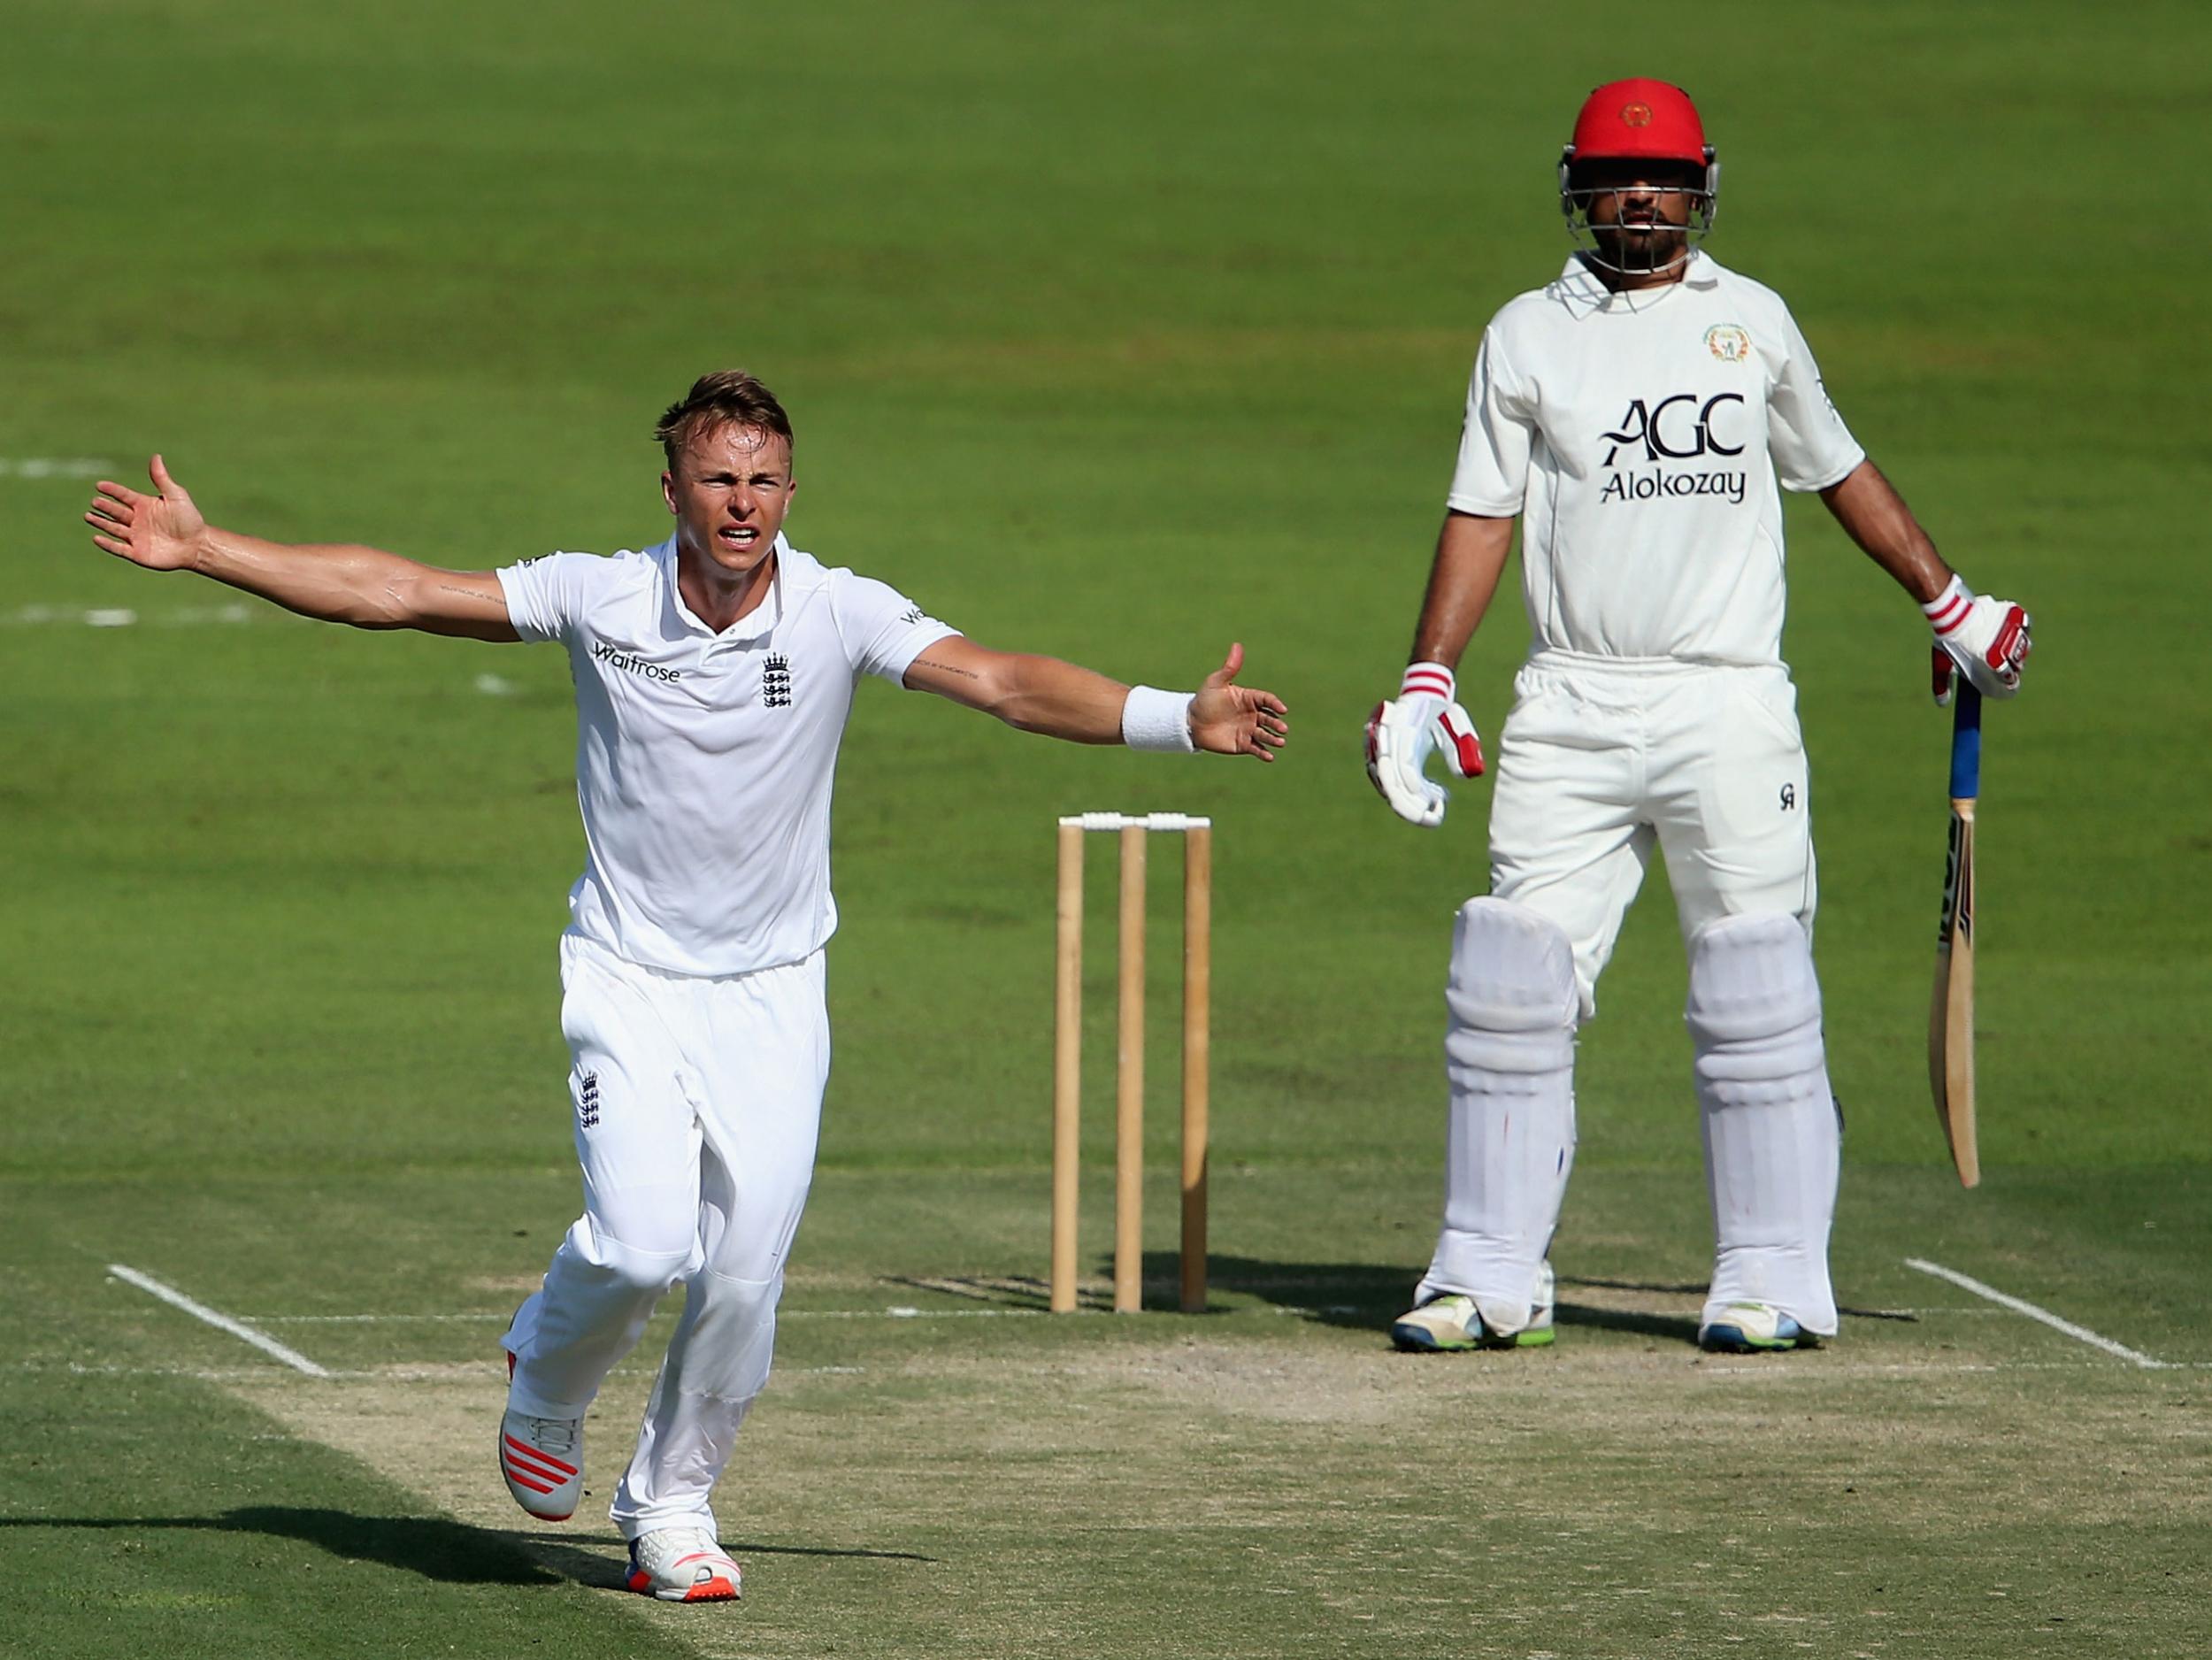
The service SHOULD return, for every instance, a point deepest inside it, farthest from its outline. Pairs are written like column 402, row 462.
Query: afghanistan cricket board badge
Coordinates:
column 1728, row 342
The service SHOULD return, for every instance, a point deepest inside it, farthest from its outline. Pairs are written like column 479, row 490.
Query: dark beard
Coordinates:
column 1638, row 248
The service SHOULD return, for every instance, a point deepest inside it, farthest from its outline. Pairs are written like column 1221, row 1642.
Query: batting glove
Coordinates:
column 1402, row 731
column 1984, row 639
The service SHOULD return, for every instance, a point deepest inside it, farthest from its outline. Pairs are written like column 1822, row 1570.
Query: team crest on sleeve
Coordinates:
column 775, row 682
column 1728, row 342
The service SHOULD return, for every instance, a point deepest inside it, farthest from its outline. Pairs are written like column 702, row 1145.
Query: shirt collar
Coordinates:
column 1584, row 291
column 757, row 623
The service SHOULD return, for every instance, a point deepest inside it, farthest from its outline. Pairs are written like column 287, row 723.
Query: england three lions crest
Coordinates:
column 775, row 682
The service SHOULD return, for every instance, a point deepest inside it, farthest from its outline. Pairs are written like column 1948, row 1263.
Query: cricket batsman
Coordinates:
column 714, row 674
column 1636, row 414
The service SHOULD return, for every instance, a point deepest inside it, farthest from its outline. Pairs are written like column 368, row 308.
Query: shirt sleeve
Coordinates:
column 883, row 630
column 1812, row 448
column 1492, row 477
column 545, row 595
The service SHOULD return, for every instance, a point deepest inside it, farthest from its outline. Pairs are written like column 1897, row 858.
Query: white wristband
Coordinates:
column 1947, row 609
column 1154, row 720
column 1431, row 680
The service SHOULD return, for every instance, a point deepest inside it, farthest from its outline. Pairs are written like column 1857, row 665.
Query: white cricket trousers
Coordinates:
column 697, row 1105
column 1601, row 760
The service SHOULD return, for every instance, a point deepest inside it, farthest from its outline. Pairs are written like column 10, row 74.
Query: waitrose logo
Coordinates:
column 629, row 662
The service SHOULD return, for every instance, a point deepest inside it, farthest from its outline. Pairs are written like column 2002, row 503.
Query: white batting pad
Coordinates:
column 1510, row 1056
column 1772, row 1139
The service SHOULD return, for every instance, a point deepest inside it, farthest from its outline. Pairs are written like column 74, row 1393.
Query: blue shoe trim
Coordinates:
column 1730, row 1340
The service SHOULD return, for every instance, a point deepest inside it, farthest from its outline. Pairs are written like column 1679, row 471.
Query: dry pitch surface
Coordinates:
column 971, row 1478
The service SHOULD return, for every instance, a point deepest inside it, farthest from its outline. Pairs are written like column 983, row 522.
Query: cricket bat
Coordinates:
column 1951, row 1018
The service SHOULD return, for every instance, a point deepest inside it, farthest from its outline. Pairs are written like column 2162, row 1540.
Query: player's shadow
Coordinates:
column 1362, row 1296
column 1350, row 1294
column 1368, row 1297
column 1336, row 1294
column 435, row 1547
column 1356, row 1296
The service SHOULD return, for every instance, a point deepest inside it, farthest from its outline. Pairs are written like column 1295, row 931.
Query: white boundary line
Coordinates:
column 2080, row 1333
column 291, row 1357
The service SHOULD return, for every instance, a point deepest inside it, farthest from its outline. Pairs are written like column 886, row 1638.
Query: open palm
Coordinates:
column 1232, row 719
column 160, row 532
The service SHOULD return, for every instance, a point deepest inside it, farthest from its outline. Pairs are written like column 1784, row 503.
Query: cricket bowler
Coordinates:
column 1636, row 415
column 714, row 674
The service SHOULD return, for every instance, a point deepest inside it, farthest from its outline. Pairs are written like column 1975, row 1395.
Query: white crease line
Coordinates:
column 2080, row 1333
column 380, row 1374
column 374, row 1319
column 1777, row 1371
column 464, row 1374
column 267, row 1345
column 908, row 1314
column 781, row 1314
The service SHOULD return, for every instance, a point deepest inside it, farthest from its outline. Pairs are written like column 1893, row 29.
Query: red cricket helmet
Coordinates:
column 1638, row 119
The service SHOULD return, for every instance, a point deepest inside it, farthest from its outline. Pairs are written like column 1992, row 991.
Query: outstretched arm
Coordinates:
column 1064, row 700
column 334, row 581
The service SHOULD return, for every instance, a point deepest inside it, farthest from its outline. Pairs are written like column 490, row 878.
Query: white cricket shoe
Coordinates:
column 1453, row 1321
column 1753, row 1328
column 542, row 1459
column 683, row 1565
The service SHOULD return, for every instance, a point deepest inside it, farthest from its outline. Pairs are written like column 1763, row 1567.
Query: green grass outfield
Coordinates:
column 1117, row 331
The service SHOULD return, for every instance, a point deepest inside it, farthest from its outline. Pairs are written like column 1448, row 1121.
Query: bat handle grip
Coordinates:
column 1966, row 743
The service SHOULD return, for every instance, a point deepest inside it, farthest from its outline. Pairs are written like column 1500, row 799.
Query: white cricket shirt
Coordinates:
column 704, row 760
column 1640, row 436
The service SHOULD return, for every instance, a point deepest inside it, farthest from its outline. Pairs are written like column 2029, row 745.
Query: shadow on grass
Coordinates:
column 1345, row 1294
column 1360, row 1296
column 1674, row 1328
column 1356, row 1296
column 1366, row 1296
column 435, row 1547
